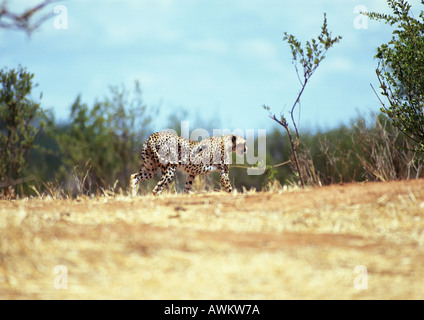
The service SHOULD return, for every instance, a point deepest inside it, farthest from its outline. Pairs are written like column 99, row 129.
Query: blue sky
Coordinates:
column 220, row 60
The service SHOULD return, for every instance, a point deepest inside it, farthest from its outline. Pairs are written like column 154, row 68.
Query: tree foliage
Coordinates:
column 20, row 121
column 401, row 70
column 103, row 140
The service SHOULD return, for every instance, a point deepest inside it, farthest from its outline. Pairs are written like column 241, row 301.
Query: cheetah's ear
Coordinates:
column 233, row 139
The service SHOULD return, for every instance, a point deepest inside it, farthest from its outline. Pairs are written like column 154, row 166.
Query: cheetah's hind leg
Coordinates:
column 189, row 183
column 142, row 175
column 167, row 176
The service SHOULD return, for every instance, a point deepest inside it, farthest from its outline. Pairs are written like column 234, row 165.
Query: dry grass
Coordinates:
column 258, row 245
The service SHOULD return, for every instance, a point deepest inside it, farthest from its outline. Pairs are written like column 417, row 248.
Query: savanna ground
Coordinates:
column 352, row 241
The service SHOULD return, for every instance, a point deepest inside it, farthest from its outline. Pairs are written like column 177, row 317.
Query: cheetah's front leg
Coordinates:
column 225, row 180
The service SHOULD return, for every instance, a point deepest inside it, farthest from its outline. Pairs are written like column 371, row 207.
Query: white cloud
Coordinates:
column 257, row 48
column 211, row 46
column 340, row 64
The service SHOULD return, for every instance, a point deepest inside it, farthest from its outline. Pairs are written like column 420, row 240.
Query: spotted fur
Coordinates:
column 167, row 152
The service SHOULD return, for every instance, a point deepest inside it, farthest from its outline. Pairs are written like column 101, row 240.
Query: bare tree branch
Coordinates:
column 309, row 57
column 26, row 21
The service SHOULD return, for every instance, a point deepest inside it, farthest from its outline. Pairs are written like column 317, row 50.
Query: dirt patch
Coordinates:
column 352, row 241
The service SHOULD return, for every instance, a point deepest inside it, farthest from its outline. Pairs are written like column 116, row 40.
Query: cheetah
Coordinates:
column 167, row 152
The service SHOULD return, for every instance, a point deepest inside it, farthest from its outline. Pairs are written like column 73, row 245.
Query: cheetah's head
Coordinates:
column 238, row 144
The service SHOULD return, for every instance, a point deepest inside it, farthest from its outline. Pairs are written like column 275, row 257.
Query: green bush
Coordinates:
column 401, row 70
column 20, row 121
